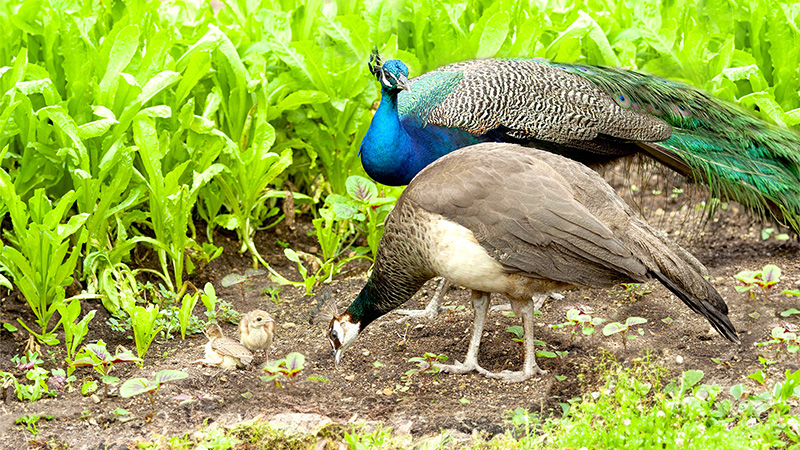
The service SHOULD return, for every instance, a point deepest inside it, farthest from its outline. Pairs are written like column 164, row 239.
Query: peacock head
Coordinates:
column 341, row 334
column 392, row 74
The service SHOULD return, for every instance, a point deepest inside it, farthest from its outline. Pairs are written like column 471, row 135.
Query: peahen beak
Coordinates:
column 337, row 356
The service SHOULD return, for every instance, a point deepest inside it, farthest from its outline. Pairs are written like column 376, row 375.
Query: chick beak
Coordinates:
column 403, row 83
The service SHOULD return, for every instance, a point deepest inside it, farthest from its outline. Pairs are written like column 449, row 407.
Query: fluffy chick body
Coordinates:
column 223, row 351
column 256, row 330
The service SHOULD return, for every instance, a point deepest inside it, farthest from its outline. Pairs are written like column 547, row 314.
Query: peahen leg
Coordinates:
column 525, row 310
column 537, row 303
column 432, row 310
column 480, row 303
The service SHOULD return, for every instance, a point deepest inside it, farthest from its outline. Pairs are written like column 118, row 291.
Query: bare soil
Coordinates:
column 363, row 391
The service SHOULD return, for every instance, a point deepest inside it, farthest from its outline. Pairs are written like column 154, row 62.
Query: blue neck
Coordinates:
column 396, row 148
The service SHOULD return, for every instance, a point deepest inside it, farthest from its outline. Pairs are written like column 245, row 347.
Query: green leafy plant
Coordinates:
column 136, row 386
column 59, row 379
column 623, row 328
column 188, row 302
column 37, row 388
column 27, row 361
column 766, row 233
column 102, row 361
column 145, row 327
column 217, row 310
column 364, row 208
column 426, row 368
column 29, row 421
column 782, row 337
column 519, row 332
column 288, row 367
column 74, row 333
column 635, row 291
column 765, row 278
column 37, row 257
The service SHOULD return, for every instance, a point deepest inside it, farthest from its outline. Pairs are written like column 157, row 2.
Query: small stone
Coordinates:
column 95, row 398
column 403, row 429
column 312, row 250
column 365, row 353
column 350, row 378
column 288, row 325
column 387, row 392
column 679, row 359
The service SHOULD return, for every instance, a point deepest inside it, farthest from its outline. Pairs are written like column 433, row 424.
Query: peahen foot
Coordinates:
column 462, row 368
column 516, row 377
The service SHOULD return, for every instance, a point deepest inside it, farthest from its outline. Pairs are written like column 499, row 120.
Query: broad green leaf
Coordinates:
column 691, row 378
column 165, row 376
column 299, row 98
column 493, row 36
column 136, row 386
column 125, row 44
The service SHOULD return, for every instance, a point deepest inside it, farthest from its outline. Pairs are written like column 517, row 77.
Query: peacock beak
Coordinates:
column 403, row 83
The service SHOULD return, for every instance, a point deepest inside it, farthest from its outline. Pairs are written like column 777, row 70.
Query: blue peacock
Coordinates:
column 588, row 113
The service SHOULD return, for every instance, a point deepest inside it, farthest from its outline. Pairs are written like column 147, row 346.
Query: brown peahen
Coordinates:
column 522, row 222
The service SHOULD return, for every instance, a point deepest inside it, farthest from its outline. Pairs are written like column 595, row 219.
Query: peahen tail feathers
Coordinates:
column 718, row 318
column 739, row 156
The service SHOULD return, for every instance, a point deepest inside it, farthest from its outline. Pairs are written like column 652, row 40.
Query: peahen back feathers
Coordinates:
column 591, row 114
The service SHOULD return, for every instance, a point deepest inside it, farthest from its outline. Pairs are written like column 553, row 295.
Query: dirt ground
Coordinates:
column 362, row 390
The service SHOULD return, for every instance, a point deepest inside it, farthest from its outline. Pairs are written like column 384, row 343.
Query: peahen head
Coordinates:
column 341, row 334
column 393, row 74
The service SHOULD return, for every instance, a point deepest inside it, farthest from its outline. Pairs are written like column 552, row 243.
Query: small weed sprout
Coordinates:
column 767, row 232
column 765, row 278
column 634, row 290
column 29, row 364
column 580, row 320
column 622, row 329
column 427, row 368
column 99, row 358
column 29, row 422
column 288, row 367
column 782, row 337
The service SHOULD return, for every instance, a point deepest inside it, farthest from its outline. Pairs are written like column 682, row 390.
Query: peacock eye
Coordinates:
column 681, row 110
column 622, row 100
column 653, row 109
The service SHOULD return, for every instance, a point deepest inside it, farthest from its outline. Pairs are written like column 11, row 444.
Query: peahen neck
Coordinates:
column 401, row 268
column 396, row 148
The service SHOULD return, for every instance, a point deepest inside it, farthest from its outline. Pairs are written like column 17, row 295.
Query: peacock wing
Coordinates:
column 526, row 100
column 532, row 224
